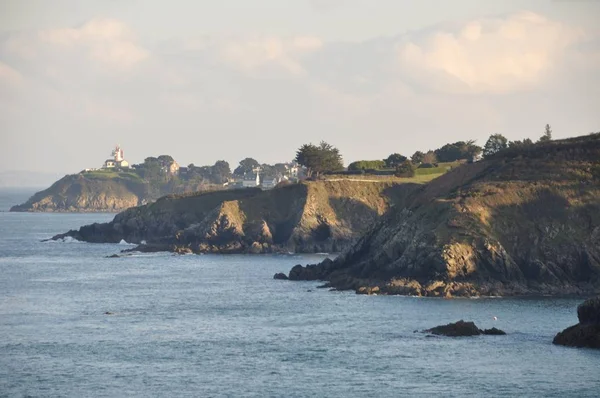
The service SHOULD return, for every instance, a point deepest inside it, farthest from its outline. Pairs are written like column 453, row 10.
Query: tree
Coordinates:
column 220, row 172
column 319, row 159
column 246, row 166
column 458, row 151
column 394, row 160
column 405, row 169
column 165, row 160
column 494, row 144
column 417, row 157
column 520, row 144
column 429, row 158
column 547, row 136
column 366, row 165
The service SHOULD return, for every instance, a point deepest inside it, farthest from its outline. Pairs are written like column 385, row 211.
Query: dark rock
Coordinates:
column 458, row 329
column 587, row 332
column 280, row 275
column 494, row 332
column 579, row 336
column 113, row 256
column 109, row 313
column 462, row 328
column 589, row 311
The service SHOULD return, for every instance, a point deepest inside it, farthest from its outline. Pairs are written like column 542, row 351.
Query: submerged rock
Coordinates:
column 462, row 329
column 587, row 332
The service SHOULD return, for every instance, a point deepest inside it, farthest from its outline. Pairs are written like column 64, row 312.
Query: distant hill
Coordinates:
column 102, row 191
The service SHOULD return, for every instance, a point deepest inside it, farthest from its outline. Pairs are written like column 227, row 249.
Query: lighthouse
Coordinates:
column 118, row 159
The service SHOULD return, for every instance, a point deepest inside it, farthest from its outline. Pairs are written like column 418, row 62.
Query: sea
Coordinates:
column 74, row 323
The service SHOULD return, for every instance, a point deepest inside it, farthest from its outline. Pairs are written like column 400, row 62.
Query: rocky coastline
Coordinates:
column 309, row 217
column 523, row 223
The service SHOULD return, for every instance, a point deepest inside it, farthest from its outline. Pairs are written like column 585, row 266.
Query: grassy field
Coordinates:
column 111, row 174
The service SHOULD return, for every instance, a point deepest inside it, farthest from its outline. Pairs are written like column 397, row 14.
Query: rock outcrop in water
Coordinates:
column 319, row 216
column 462, row 329
column 587, row 332
column 526, row 221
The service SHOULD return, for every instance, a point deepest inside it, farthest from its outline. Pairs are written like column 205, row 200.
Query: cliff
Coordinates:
column 320, row 216
column 526, row 221
column 102, row 191
column 81, row 193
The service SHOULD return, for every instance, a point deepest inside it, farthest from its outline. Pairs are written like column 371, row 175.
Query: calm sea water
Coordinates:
column 204, row 326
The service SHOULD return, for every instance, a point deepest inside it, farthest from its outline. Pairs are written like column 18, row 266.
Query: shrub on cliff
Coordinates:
column 406, row 169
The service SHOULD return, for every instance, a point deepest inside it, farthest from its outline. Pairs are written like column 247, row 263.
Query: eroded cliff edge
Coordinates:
column 526, row 221
column 319, row 216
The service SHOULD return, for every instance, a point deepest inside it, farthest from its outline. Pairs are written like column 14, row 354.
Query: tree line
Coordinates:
column 325, row 158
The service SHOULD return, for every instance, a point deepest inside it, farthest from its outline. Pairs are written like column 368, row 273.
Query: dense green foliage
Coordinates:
column 458, row 151
column 406, row 169
column 246, row 166
column 494, row 144
column 319, row 159
column 394, row 160
column 417, row 157
column 366, row 165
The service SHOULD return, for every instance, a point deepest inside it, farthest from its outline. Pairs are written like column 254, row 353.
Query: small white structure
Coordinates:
column 270, row 182
column 251, row 180
column 118, row 159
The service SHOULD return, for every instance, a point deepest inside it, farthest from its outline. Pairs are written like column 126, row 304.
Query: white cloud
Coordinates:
column 491, row 55
column 105, row 40
column 402, row 93
column 250, row 55
column 9, row 75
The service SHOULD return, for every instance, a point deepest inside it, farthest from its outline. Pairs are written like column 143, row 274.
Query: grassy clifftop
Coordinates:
column 526, row 221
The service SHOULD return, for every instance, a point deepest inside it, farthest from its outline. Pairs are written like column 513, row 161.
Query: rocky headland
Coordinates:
column 587, row 332
column 78, row 193
column 525, row 221
column 312, row 216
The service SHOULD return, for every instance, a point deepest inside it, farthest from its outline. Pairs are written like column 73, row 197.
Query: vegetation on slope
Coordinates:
column 524, row 221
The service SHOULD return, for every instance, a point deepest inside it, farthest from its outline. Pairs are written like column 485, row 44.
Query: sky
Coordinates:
column 209, row 80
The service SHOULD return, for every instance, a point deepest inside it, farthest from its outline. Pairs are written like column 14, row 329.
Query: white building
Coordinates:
column 118, row 159
column 270, row 182
column 250, row 180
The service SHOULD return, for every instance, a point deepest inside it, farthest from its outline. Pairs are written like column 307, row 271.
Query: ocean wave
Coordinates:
column 66, row 239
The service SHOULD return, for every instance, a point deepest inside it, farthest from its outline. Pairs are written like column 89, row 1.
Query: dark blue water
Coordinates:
column 210, row 325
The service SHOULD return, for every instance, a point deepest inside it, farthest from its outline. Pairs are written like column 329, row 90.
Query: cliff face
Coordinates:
column 524, row 222
column 79, row 193
column 322, row 216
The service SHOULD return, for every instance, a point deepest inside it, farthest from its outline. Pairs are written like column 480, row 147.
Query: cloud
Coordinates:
column 411, row 91
column 493, row 55
column 252, row 55
column 107, row 41
column 9, row 75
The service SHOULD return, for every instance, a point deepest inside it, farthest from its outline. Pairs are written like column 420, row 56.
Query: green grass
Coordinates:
column 111, row 174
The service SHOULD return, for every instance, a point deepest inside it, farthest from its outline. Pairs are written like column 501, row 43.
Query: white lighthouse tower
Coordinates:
column 118, row 159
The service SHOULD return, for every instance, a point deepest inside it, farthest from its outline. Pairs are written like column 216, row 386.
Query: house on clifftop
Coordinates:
column 117, row 161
